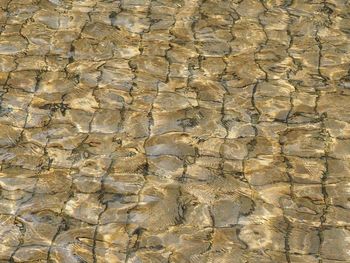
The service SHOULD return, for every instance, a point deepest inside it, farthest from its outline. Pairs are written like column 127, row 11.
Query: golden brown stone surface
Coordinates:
column 175, row 131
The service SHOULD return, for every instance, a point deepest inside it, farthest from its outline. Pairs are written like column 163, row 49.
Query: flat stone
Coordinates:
column 336, row 238
column 106, row 121
column 226, row 213
column 11, row 45
column 81, row 207
column 177, row 144
column 300, row 143
column 174, row 131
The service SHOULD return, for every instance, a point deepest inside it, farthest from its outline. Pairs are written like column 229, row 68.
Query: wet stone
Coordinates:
column 301, row 143
column 339, row 238
column 12, row 45
column 174, row 131
column 106, row 121
column 79, row 207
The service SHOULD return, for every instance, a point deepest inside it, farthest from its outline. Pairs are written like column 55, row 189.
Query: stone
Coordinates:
column 338, row 238
column 178, row 144
column 106, row 121
column 226, row 213
column 12, row 45
column 303, row 144
column 79, row 207
column 174, row 131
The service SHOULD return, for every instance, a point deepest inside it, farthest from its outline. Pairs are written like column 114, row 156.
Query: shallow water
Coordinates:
column 175, row 131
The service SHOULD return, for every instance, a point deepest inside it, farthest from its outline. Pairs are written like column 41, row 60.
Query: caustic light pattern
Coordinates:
column 175, row 131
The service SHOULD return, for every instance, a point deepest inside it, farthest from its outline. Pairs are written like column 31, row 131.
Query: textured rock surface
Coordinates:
column 175, row 131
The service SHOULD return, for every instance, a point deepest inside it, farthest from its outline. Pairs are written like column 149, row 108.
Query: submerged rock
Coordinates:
column 174, row 131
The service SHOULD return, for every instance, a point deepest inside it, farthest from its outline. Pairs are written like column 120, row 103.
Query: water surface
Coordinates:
column 175, row 131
